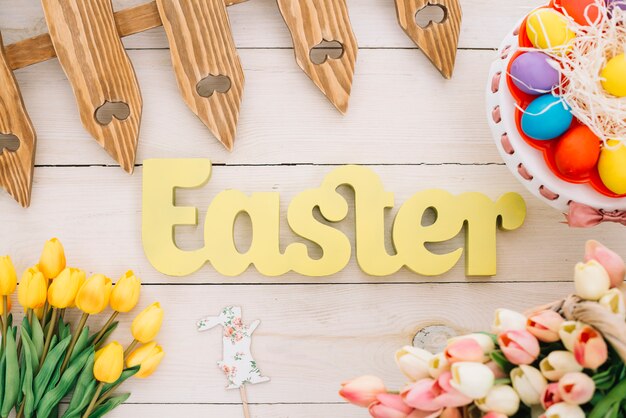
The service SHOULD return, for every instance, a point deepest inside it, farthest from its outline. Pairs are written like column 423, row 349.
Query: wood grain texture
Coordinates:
column 311, row 22
column 16, row 167
column 99, row 70
column 438, row 41
column 202, row 46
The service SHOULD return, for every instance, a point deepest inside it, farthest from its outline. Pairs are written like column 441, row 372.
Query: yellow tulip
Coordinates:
column 125, row 293
column 109, row 363
column 147, row 324
column 39, row 313
column 52, row 260
column 32, row 290
column 93, row 295
column 8, row 277
column 148, row 356
column 63, row 289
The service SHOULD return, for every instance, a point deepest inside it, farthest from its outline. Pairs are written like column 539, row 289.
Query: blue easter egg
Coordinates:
column 546, row 117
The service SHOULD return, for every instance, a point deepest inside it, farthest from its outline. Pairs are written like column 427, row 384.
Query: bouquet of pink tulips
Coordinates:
column 564, row 360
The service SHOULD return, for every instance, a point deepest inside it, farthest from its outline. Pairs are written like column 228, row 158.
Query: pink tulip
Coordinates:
column 545, row 326
column 451, row 413
column 433, row 395
column 425, row 414
column 494, row 415
column 496, row 369
column 590, row 348
column 464, row 350
column 576, row 388
column 388, row 405
column 611, row 261
column 551, row 396
column 519, row 347
column 362, row 391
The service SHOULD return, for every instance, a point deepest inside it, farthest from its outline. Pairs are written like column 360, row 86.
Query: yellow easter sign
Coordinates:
column 477, row 212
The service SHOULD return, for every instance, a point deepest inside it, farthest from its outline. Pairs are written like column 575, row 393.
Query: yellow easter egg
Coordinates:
column 612, row 167
column 548, row 29
column 614, row 76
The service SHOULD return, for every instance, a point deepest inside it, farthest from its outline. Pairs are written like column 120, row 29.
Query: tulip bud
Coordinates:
column 529, row 384
column 8, row 277
column 438, row 365
column 591, row 280
column 473, row 380
column 551, row 396
column 611, row 261
column 564, row 410
column 32, row 290
column 9, row 306
column 125, row 294
column 93, row 296
column 545, row 326
column 502, row 399
column 388, row 405
column 447, row 413
column 62, row 291
column 613, row 300
column 484, row 340
column 590, row 348
column 557, row 364
column 52, row 260
column 464, row 350
column 507, row 320
column 109, row 363
column 519, row 347
column 362, row 391
column 494, row 415
column 568, row 332
column 434, row 394
column 413, row 362
column 577, row 388
column 147, row 324
column 148, row 356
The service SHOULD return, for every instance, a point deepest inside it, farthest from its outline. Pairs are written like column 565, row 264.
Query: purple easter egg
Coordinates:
column 532, row 73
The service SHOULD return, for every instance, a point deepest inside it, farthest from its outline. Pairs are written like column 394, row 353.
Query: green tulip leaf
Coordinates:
column 75, row 409
column 81, row 343
column 48, row 368
column 126, row 374
column 37, row 336
column 85, row 388
column 11, row 374
column 27, row 384
column 109, row 405
column 3, row 366
column 53, row 396
column 613, row 398
column 104, row 337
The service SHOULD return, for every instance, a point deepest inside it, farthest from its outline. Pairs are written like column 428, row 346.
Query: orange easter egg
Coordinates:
column 577, row 152
column 584, row 12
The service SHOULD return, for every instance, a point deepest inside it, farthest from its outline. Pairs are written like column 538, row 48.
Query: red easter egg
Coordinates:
column 576, row 10
column 577, row 152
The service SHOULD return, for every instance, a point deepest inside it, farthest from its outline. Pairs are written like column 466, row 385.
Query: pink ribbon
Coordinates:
column 583, row 216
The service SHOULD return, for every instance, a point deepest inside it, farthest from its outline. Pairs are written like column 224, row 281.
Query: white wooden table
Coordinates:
column 406, row 122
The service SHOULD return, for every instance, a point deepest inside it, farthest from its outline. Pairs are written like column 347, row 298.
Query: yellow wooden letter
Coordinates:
column 160, row 216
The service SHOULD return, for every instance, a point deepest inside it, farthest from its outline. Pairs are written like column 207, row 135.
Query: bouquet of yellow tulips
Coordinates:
column 49, row 358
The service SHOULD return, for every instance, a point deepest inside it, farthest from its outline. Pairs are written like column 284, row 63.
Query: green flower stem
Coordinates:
column 44, row 318
column 130, row 348
column 106, row 395
column 92, row 404
column 5, row 303
column 29, row 315
column 70, row 349
column 46, row 347
column 20, row 413
column 105, row 327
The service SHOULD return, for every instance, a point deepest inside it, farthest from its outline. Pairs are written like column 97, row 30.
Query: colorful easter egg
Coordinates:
column 546, row 117
column 584, row 12
column 548, row 29
column 612, row 167
column 532, row 73
column 577, row 152
column 613, row 76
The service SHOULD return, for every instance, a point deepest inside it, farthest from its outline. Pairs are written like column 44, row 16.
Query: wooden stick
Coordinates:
column 128, row 21
column 244, row 401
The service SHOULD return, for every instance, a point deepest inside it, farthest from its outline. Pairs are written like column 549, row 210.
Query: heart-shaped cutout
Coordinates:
column 9, row 142
column 213, row 83
column 109, row 110
column 326, row 50
column 431, row 14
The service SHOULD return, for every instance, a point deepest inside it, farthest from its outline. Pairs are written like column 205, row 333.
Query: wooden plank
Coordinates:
column 311, row 338
column 100, row 72
column 203, row 51
column 105, row 205
column 16, row 164
column 398, row 114
column 257, row 24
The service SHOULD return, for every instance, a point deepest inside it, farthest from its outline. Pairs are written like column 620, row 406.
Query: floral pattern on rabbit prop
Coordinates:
column 237, row 363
